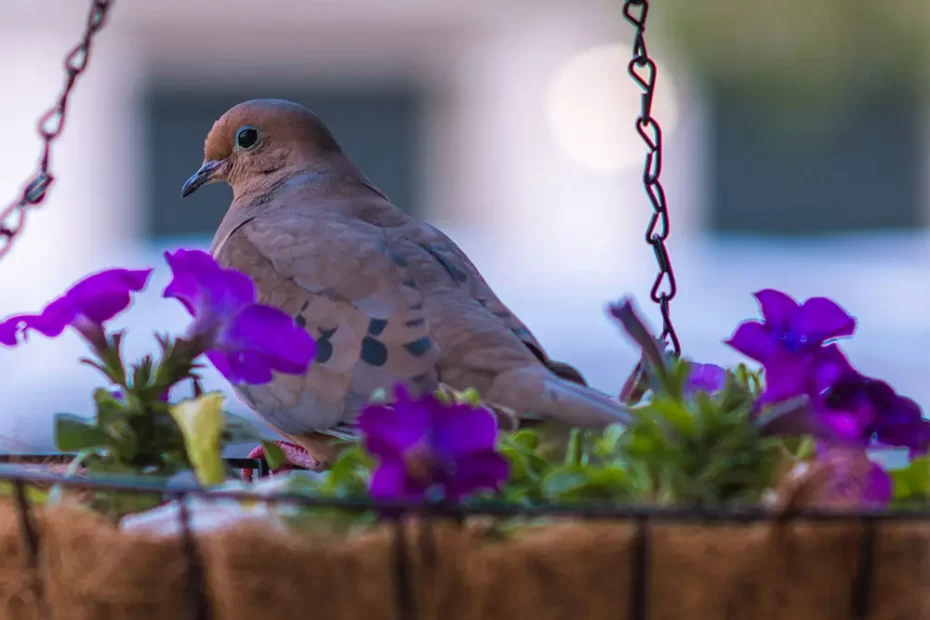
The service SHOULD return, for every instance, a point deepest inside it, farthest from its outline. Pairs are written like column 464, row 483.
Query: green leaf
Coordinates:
column 577, row 483
column 142, row 373
column 274, row 455
column 109, row 409
column 350, row 472
column 574, row 455
column 519, row 465
column 527, row 439
column 674, row 412
column 74, row 433
column 912, row 481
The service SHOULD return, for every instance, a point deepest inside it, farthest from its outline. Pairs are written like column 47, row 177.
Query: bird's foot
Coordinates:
column 297, row 458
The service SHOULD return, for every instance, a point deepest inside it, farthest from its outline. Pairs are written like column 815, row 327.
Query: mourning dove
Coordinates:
column 387, row 297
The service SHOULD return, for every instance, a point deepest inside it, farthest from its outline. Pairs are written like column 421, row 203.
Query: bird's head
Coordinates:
column 259, row 137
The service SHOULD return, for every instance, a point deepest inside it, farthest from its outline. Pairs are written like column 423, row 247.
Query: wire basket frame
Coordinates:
column 641, row 516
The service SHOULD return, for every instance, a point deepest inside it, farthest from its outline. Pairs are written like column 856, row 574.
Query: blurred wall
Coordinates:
column 517, row 138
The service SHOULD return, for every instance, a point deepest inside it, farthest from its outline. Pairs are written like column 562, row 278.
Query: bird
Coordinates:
column 388, row 298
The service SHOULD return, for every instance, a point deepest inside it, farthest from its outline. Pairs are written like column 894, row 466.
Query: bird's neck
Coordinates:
column 334, row 184
column 329, row 178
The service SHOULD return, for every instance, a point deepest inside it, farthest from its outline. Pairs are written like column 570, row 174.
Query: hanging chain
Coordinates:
column 643, row 70
column 50, row 126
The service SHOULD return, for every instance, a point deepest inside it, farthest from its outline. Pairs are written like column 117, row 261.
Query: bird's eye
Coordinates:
column 246, row 137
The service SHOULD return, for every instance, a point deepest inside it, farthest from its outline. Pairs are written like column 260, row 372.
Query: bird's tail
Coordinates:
column 536, row 392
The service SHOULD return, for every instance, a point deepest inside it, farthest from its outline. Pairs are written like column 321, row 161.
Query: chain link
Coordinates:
column 643, row 71
column 50, row 126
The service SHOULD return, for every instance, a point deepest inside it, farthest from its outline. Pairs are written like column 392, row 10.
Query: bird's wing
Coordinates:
column 462, row 270
column 339, row 279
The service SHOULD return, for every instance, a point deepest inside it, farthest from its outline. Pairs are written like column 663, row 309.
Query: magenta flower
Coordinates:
column 789, row 342
column 873, row 410
column 792, row 345
column 708, row 378
column 86, row 306
column 424, row 445
column 245, row 340
column 789, row 327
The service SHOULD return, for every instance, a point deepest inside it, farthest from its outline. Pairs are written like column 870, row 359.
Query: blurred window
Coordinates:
column 378, row 128
column 858, row 168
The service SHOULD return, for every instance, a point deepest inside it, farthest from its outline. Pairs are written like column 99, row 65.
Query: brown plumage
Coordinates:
column 388, row 298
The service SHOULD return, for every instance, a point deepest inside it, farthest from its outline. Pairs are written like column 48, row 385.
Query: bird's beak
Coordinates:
column 205, row 175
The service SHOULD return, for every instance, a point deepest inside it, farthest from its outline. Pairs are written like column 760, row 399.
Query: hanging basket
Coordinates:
column 612, row 569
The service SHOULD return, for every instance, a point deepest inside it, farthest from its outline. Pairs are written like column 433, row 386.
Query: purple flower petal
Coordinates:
column 391, row 481
column 271, row 334
column 476, row 472
column 394, row 429
column 103, row 295
column 820, row 319
column 207, row 290
column 246, row 341
column 753, row 340
column 460, row 430
column 423, row 443
column 902, row 424
column 91, row 302
column 709, row 378
column 830, row 368
column 843, row 425
column 242, row 366
column 778, row 309
column 786, row 377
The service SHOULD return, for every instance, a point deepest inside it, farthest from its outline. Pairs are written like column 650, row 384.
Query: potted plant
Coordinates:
column 688, row 510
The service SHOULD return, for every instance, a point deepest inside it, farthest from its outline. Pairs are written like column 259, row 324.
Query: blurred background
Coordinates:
column 796, row 158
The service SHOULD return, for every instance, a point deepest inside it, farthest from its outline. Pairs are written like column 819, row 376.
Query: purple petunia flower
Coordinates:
column 86, row 306
column 423, row 444
column 876, row 411
column 789, row 343
column 789, row 327
column 245, row 340
column 709, row 378
column 791, row 346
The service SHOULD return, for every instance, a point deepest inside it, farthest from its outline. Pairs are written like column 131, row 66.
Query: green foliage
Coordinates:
column 694, row 449
column 702, row 450
column 132, row 431
column 912, row 483
column 274, row 455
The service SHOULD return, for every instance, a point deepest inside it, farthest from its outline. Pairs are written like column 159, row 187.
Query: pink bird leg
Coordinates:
column 297, row 458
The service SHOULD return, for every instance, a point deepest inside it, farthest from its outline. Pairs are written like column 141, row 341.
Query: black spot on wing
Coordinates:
column 373, row 352
column 415, row 322
column 502, row 314
column 454, row 272
column 418, row 348
column 299, row 318
column 376, row 326
column 324, row 348
column 411, row 284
